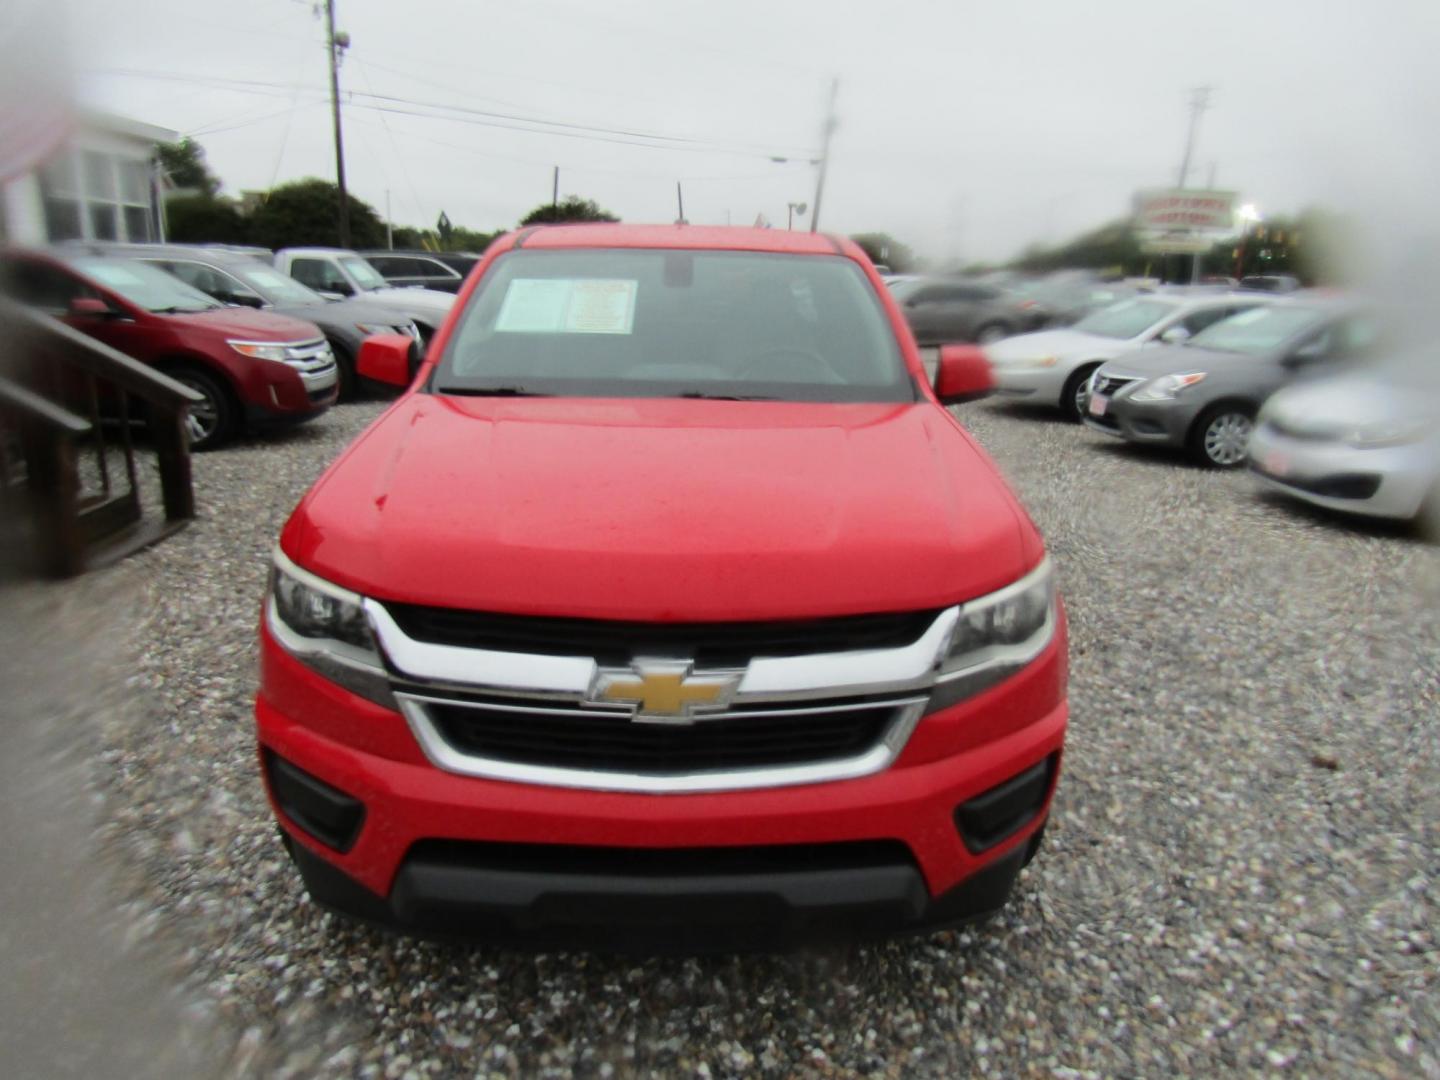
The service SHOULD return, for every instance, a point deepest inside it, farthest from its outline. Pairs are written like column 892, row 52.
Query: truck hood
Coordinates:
column 430, row 302
column 241, row 322
column 1064, row 343
column 663, row 510
column 346, row 313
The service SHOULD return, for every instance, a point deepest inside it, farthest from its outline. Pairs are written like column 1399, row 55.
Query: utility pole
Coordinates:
column 555, row 194
column 680, row 202
column 389, row 224
column 1199, row 102
column 335, row 43
column 830, row 125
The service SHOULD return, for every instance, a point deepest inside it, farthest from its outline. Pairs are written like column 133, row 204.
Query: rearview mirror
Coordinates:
column 386, row 359
column 1175, row 335
column 963, row 374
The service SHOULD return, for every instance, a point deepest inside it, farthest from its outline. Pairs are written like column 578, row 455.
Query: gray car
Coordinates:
column 945, row 310
column 1203, row 395
column 240, row 279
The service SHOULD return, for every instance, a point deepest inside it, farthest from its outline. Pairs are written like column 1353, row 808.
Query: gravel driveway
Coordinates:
column 1240, row 874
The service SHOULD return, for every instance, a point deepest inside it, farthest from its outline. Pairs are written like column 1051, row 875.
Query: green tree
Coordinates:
column 884, row 248
column 205, row 219
column 462, row 239
column 184, row 162
column 303, row 213
column 570, row 208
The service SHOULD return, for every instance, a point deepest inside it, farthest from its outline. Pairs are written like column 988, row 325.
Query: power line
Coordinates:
column 484, row 117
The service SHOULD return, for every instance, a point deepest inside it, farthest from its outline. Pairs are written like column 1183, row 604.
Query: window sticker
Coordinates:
column 568, row 306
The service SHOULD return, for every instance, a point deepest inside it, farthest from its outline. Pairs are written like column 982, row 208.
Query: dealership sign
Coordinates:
column 1179, row 220
column 1172, row 209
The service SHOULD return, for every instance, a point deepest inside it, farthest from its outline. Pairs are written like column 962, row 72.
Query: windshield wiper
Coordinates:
column 176, row 309
column 705, row 395
column 492, row 391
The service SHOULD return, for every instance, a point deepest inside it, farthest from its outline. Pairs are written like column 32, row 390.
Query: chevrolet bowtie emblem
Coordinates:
column 664, row 691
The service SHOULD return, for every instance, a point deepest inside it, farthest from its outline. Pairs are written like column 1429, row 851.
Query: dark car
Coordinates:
column 443, row 270
column 239, row 279
column 944, row 310
column 1203, row 395
column 1281, row 283
column 250, row 367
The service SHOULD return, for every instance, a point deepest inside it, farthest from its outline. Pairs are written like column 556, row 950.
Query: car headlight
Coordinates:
column 1388, row 433
column 1166, row 387
column 325, row 627
column 997, row 635
column 260, row 350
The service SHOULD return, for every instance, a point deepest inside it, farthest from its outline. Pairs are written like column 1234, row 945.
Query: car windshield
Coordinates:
column 660, row 323
column 1259, row 330
column 275, row 286
column 364, row 275
column 1127, row 319
column 145, row 286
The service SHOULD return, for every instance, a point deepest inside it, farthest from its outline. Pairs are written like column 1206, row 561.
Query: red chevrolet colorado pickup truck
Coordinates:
column 668, row 607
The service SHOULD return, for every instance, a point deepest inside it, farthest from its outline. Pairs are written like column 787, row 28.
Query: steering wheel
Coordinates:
column 771, row 365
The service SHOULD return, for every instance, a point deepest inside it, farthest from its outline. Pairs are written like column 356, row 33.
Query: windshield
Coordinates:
column 364, row 275
column 1127, row 319
column 145, row 286
column 1259, row 330
column 275, row 286
column 641, row 323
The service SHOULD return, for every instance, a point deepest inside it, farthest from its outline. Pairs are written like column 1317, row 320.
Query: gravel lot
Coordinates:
column 1241, row 873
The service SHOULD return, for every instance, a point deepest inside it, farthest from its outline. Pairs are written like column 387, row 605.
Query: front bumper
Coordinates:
column 1157, row 424
column 1046, row 384
column 437, row 852
column 1388, row 481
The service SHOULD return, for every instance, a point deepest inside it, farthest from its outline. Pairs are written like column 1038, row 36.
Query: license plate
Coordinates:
column 1275, row 463
column 1098, row 404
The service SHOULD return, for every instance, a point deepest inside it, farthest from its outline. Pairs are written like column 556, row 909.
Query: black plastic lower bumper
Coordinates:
column 694, row 902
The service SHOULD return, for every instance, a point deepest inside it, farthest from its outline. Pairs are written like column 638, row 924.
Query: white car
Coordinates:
column 336, row 273
column 1363, row 441
column 1052, row 367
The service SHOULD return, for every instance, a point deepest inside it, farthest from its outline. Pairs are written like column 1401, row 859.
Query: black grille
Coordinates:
column 1108, row 384
column 607, row 742
column 615, row 642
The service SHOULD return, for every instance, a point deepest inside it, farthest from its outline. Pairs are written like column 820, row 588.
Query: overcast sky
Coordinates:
column 965, row 129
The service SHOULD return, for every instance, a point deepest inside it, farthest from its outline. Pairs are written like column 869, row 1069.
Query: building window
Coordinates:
column 94, row 196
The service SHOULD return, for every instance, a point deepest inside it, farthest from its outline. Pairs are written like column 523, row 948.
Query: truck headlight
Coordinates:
column 996, row 635
column 1166, row 387
column 325, row 627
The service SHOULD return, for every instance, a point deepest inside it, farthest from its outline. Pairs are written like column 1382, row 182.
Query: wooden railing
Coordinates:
column 71, row 491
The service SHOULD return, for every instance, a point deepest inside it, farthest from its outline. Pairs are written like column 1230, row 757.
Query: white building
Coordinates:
column 101, row 184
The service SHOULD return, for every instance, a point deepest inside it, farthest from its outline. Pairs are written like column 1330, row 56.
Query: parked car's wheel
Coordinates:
column 1072, row 398
column 213, row 421
column 345, row 372
column 1221, row 436
column 991, row 333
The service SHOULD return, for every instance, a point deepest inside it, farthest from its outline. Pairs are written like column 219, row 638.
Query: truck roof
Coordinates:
column 714, row 237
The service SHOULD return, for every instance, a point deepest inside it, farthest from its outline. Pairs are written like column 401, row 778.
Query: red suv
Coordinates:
column 668, row 607
column 251, row 367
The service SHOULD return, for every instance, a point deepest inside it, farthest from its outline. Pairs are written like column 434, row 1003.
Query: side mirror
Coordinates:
column 963, row 374
column 1175, row 335
column 249, row 300
column 90, row 307
column 386, row 359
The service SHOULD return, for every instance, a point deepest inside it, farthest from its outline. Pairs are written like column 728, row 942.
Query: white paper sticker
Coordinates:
column 568, row 306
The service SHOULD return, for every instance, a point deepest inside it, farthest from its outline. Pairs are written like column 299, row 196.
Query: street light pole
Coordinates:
column 334, row 46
